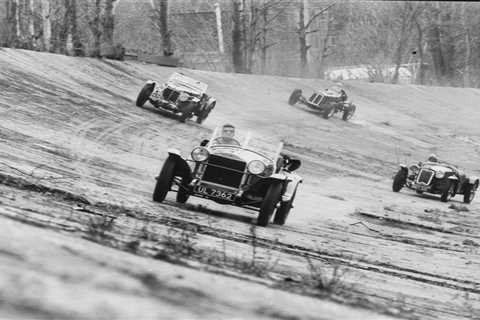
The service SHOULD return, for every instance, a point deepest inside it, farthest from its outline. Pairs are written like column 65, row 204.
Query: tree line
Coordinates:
column 439, row 42
column 76, row 27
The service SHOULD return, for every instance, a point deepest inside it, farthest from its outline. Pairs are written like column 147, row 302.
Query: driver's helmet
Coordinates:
column 432, row 158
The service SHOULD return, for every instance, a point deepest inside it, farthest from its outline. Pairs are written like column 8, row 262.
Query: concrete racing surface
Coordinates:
column 81, row 238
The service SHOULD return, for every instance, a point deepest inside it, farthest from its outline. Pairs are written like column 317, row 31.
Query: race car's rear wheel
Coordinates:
column 144, row 94
column 469, row 193
column 295, row 96
column 399, row 180
column 164, row 180
column 349, row 112
column 328, row 112
column 282, row 212
column 448, row 193
column 269, row 204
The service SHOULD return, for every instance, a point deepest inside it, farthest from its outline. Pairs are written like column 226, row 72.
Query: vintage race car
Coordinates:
column 181, row 95
column 250, row 173
column 436, row 178
column 327, row 102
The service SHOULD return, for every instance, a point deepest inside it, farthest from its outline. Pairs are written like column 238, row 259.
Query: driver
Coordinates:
column 432, row 158
column 227, row 136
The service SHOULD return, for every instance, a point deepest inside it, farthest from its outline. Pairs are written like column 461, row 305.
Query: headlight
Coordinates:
column 183, row 96
column 200, row 154
column 439, row 174
column 256, row 167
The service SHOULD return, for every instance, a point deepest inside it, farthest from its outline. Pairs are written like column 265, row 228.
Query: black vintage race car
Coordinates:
column 327, row 102
column 437, row 178
column 181, row 95
column 250, row 173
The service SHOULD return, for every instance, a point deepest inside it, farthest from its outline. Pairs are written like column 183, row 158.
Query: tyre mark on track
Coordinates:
column 384, row 268
column 290, row 249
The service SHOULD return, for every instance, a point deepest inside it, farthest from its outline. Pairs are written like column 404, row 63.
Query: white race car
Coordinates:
column 181, row 95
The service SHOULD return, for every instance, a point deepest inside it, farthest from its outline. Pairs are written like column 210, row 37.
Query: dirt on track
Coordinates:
column 82, row 238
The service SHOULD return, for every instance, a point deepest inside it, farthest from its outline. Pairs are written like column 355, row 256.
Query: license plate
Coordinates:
column 422, row 188
column 215, row 193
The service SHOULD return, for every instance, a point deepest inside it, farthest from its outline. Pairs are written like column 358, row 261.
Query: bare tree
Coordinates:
column 78, row 47
column 238, row 39
column 304, row 29
column 96, row 28
column 468, row 49
column 46, row 24
column 407, row 15
column 160, row 18
column 13, row 28
column 421, row 46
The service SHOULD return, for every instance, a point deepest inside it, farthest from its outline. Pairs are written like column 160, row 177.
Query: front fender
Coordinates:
column 278, row 177
column 182, row 169
column 211, row 100
column 292, row 185
column 174, row 151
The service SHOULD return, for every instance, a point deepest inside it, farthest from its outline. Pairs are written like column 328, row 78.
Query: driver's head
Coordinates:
column 228, row 131
column 432, row 158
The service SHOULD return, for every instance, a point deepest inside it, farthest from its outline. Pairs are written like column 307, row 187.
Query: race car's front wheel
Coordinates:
column 448, row 193
column 186, row 109
column 144, row 94
column 469, row 193
column 204, row 113
column 269, row 204
column 295, row 96
column 399, row 180
column 349, row 112
column 328, row 112
column 164, row 180
column 282, row 212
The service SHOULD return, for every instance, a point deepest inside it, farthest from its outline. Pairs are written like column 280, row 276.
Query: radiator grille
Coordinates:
column 222, row 175
column 319, row 98
column 425, row 176
column 170, row 95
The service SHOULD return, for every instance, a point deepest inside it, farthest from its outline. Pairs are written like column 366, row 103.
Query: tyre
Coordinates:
column 399, row 180
column 183, row 193
column 294, row 97
column 204, row 114
column 282, row 212
column 448, row 193
column 164, row 180
column 328, row 112
column 418, row 191
column 144, row 94
column 349, row 112
column 187, row 111
column 269, row 204
column 469, row 193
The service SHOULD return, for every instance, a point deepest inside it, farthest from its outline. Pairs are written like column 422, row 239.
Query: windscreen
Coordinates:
column 269, row 147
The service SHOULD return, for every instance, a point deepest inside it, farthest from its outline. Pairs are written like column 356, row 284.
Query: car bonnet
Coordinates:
column 183, row 83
